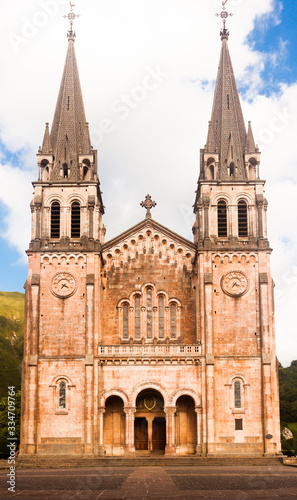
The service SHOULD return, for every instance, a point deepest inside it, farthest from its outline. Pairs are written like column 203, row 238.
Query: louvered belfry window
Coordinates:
column 222, row 219
column 242, row 219
column 55, row 220
column 75, row 220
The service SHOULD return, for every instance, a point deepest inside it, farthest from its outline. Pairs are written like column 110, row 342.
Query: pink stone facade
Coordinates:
column 149, row 342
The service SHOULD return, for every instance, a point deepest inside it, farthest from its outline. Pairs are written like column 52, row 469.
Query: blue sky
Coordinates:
column 156, row 148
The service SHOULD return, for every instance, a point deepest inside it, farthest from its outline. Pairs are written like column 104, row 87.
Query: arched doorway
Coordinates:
column 185, row 426
column 150, row 423
column 114, row 426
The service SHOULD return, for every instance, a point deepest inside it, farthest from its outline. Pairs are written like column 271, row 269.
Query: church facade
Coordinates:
column 149, row 342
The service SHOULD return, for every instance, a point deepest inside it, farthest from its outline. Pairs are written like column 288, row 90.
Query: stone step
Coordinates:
column 67, row 462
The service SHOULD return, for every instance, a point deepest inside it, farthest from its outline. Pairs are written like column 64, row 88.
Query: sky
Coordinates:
column 151, row 145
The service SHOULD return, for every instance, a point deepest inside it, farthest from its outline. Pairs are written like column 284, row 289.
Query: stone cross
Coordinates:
column 148, row 204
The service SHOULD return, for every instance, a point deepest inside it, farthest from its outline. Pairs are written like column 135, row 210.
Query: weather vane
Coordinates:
column 71, row 16
column 224, row 15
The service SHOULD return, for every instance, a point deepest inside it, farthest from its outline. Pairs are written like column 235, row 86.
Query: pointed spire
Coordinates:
column 46, row 146
column 69, row 135
column 211, row 143
column 227, row 118
column 250, row 142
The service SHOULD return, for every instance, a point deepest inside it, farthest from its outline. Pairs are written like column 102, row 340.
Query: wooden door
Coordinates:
column 141, row 433
column 159, row 433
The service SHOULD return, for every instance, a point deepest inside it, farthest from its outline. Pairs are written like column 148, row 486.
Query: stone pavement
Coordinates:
column 137, row 483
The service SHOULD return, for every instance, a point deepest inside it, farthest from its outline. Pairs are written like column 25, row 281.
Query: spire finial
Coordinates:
column 148, row 204
column 71, row 16
column 224, row 14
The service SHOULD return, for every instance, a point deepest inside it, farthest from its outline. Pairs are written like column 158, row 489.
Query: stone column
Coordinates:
column 38, row 221
column 170, row 430
column 91, row 221
column 150, row 432
column 206, row 205
column 100, row 430
column 198, row 411
column 155, row 323
column 129, row 435
column 260, row 215
column 251, row 222
column 200, row 223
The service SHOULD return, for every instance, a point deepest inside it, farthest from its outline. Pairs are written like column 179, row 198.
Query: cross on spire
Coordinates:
column 224, row 14
column 148, row 204
column 71, row 16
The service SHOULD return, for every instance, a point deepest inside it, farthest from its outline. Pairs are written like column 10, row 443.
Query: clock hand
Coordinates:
column 64, row 285
column 235, row 284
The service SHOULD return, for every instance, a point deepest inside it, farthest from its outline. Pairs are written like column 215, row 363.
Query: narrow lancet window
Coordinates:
column 62, row 395
column 161, row 316
column 149, row 317
column 242, row 219
column 55, row 220
column 125, row 321
column 137, row 317
column 173, row 320
column 65, row 170
column 222, row 219
column 75, row 220
column 237, row 394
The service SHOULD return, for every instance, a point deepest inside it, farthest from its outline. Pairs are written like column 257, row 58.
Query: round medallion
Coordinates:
column 63, row 285
column 235, row 283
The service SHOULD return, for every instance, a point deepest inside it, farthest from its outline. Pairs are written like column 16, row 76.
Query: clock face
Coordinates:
column 235, row 283
column 63, row 285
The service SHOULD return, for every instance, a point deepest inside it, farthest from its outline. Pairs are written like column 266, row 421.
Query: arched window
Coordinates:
column 232, row 169
column 149, row 313
column 125, row 321
column 85, row 172
column 62, row 395
column 237, row 394
column 137, row 316
column 222, row 219
column 211, row 172
column 173, row 320
column 242, row 219
column 75, row 220
column 161, row 316
column 55, row 220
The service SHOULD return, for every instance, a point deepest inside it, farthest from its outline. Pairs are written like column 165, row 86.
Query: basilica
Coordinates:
column 149, row 343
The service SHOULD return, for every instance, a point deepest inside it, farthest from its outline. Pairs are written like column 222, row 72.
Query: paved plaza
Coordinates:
column 138, row 483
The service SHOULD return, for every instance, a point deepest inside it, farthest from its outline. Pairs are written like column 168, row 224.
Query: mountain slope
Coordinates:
column 12, row 306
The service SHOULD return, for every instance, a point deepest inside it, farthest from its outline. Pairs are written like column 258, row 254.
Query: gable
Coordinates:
column 149, row 238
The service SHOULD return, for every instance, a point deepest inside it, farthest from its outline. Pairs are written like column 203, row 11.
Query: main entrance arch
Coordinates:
column 150, row 422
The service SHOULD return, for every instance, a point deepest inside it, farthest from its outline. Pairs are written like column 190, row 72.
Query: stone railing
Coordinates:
column 184, row 351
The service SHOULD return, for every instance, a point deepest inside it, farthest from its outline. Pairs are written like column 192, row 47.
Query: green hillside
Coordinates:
column 288, row 393
column 12, row 306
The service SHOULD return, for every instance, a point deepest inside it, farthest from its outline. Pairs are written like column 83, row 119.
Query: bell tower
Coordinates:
column 63, row 288
column 234, row 290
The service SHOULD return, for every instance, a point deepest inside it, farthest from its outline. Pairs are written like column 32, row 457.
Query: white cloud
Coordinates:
column 155, row 148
